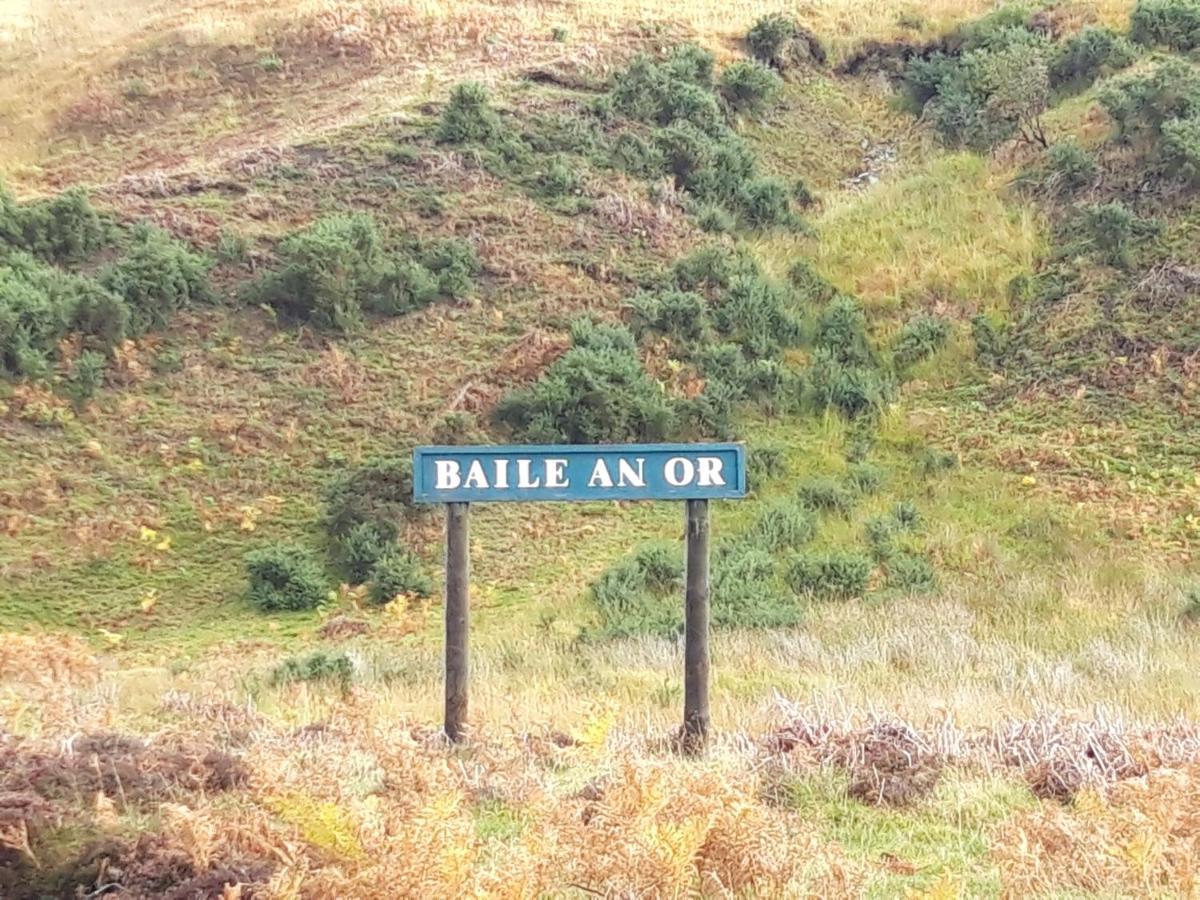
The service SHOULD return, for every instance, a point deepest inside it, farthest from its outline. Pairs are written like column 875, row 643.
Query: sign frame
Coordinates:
column 695, row 497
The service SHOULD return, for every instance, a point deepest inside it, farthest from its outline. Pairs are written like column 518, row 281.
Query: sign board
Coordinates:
column 576, row 472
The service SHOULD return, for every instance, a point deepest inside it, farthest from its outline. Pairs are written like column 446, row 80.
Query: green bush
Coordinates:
column 1141, row 104
column 810, row 284
column 765, row 203
column 711, row 268
column 748, row 86
column 469, row 117
column 906, row 515
column 880, row 532
column 1181, row 147
column 361, row 548
column 674, row 91
column 63, row 229
column 690, row 63
column 1110, row 228
column 40, row 305
column 558, row 179
column 932, row 463
column 638, row 157
column 594, row 393
column 156, row 276
column 851, row 389
column 865, row 477
column 454, row 264
column 989, row 341
column 782, row 525
column 1168, row 23
column 626, row 601
column 285, row 578
column 330, row 270
column 755, row 314
column 834, row 575
column 714, row 219
column 680, row 315
column 842, row 332
column 398, row 574
column 1070, row 166
column 780, row 41
column 827, row 495
column 318, row 666
column 1093, row 52
column 376, row 494
column 405, row 284
column 911, row 573
column 920, row 337
column 764, row 463
column 87, row 374
column 745, row 590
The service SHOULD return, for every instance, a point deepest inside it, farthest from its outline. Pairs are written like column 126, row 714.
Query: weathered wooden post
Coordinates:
column 695, row 652
column 458, row 616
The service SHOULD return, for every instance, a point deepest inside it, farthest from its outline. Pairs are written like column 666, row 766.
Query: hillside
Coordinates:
column 933, row 263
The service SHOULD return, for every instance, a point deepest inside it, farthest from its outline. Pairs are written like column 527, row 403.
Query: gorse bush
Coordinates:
column 1070, row 166
column 1086, row 56
column 156, row 276
column 780, row 41
column 1180, row 147
column 469, row 117
column 1168, row 23
column 782, row 525
column 338, row 268
column 827, row 495
column 865, row 477
column 911, row 573
column 62, row 229
column 318, row 666
column 764, row 463
column 842, row 332
column 597, row 392
column 748, row 86
column 398, row 574
column 746, row 590
column 989, row 341
column 880, row 532
column 87, row 374
column 370, row 500
column 40, row 306
column 765, row 202
column 756, row 314
column 853, row 390
column 832, row 575
column 284, row 578
column 811, row 286
column 919, row 338
column 361, row 548
column 1110, row 228
column 1141, row 104
column 679, row 315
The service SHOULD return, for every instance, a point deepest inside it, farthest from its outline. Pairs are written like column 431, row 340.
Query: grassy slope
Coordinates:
column 1041, row 609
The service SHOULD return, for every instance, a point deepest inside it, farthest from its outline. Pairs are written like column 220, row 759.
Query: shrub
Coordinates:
column 919, row 338
column 156, row 276
column 711, row 268
column 627, row 605
column 1093, row 52
column 842, row 332
column 1181, row 147
column 1169, row 23
column 398, row 574
column 932, row 463
column 911, row 573
column 843, row 574
column 557, row 180
column 679, row 315
column 284, row 578
column 638, row 157
column 404, row 285
column 690, row 63
column 765, row 202
column 714, row 220
column 852, row 390
column 330, row 269
column 377, row 494
column 989, row 342
column 1110, row 227
column 469, row 117
column 1070, row 166
column 745, row 593
column 754, row 313
column 87, row 374
column 39, row 306
column 320, row 665
column 676, row 90
column 747, row 86
column 782, row 525
column 865, row 477
column 880, row 532
column 63, row 229
column 1141, row 104
column 906, row 515
column 361, row 548
column 593, row 335
column 781, row 42
column 454, row 264
column 765, row 463
column 811, row 285
column 592, row 394
column 661, row 564
column 827, row 495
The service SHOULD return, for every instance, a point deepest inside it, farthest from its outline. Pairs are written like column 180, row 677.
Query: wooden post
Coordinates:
column 695, row 651
column 458, row 616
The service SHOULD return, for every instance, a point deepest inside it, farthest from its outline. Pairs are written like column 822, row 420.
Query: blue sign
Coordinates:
column 579, row 472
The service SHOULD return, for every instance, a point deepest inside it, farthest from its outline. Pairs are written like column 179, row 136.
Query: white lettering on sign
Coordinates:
column 524, row 482
column 449, row 474
column 600, row 475
column 501, row 473
column 475, row 476
column 628, row 477
column 710, row 471
column 679, row 471
column 556, row 471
